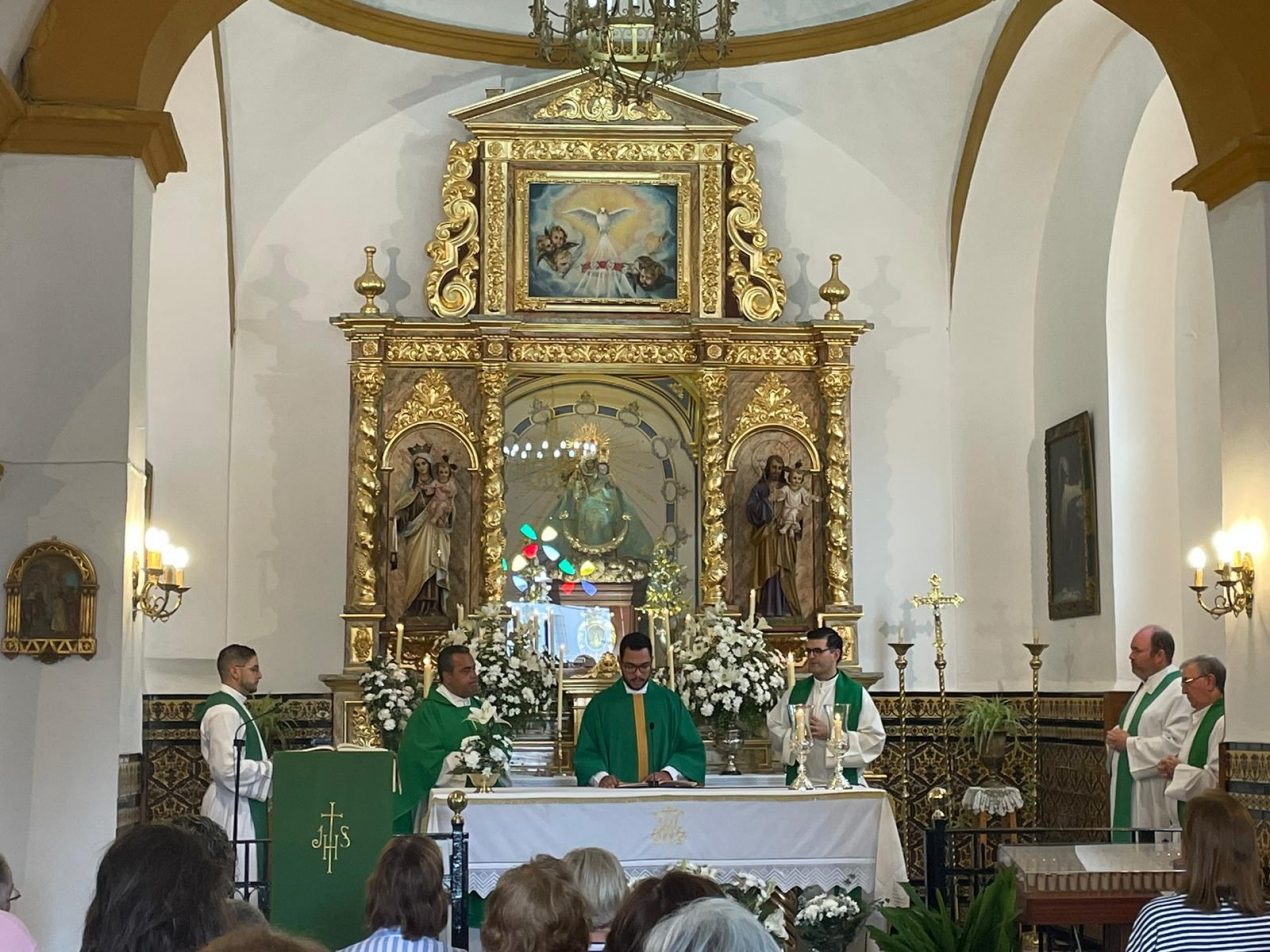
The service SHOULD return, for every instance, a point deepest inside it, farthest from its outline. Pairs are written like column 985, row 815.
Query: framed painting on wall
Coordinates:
column 602, row 241
column 50, row 603
column 1071, row 519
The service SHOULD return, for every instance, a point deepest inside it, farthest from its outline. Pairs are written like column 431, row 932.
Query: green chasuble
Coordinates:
column 607, row 739
column 253, row 749
column 845, row 691
column 435, row 730
column 1198, row 756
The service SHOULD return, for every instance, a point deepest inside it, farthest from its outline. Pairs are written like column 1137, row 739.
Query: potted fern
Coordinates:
column 988, row 926
column 990, row 724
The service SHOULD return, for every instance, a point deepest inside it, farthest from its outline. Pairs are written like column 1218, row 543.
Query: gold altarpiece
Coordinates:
column 741, row 383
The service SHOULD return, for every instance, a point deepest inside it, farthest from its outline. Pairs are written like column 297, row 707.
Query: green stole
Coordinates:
column 1198, row 757
column 1122, row 809
column 253, row 749
column 845, row 691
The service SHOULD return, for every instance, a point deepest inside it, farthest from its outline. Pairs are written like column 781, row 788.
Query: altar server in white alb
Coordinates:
column 1151, row 727
column 1195, row 768
column 223, row 717
column 826, row 688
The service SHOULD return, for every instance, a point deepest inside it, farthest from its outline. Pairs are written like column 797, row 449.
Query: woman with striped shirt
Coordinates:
column 406, row 900
column 1222, row 905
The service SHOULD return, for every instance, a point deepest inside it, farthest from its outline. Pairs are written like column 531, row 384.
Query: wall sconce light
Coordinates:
column 1234, row 551
column 163, row 578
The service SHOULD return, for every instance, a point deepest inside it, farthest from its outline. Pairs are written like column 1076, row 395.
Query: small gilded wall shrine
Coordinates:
column 600, row 352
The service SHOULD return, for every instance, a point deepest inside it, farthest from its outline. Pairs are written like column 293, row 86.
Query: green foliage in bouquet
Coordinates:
column 987, row 927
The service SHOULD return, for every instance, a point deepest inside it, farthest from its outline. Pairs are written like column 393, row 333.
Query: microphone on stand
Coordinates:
column 240, row 741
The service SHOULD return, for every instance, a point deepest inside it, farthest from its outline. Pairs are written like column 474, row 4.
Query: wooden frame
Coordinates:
column 591, row 240
column 1071, row 519
column 50, row 603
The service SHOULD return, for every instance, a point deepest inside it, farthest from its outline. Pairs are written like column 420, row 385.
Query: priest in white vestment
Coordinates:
column 1195, row 768
column 826, row 687
column 225, row 718
column 1151, row 727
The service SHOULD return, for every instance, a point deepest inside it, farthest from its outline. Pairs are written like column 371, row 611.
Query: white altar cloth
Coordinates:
column 795, row 839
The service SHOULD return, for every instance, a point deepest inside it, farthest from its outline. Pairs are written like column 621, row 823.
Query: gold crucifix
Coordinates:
column 935, row 599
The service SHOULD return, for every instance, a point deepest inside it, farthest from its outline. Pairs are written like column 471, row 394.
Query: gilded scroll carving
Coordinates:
column 368, row 385
column 597, row 102
column 451, row 286
column 713, row 382
column 773, row 354
column 496, row 236
column 433, row 351
column 493, row 381
column 772, row 404
column 835, row 386
column 600, row 150
column 431, row 401
column 711, row 237
column 753, row 268
column 604, row 352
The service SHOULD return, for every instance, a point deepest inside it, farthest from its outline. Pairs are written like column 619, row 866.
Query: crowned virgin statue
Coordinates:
column 595, row 518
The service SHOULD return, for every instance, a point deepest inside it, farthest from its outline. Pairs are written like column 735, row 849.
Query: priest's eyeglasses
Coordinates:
column 1196, row 678
column 644, row 668
column 14, row 894
column 817, row 652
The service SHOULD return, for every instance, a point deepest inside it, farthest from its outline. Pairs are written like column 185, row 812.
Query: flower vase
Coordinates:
column 728, row 742
column 484, row 780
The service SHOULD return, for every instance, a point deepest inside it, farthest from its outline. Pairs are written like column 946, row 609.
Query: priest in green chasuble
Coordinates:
column 637, row 731
column 1195, row 768
column 429, row 747
column 820, row 694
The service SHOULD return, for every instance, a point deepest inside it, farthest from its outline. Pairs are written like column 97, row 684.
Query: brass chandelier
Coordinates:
column 633, row 45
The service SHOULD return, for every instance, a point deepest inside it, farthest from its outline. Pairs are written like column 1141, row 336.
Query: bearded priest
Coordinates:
column 637, row 731
column 826, row 688
column 429, row 747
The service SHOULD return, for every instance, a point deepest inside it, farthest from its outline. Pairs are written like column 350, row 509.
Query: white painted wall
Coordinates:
column 189, row 370
column 18, row 19
column 75, row 234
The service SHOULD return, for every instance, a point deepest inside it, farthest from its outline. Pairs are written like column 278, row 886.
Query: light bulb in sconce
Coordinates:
column 180, row 557
column 1248, row 538
column 1196, row 559
column 156, row 539
column 1224, row 547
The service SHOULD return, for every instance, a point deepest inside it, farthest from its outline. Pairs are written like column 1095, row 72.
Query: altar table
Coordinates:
column 794, row 839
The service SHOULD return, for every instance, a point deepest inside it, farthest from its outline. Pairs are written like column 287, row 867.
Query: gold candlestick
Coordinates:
column 901, row 662
column 1035, row 648
column 802, row 747
column 936, row 600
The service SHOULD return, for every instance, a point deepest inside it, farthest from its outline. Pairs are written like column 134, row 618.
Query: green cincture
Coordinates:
column 253, row 749
column 1198, row 756
column 1122, row 813
column 845, row 691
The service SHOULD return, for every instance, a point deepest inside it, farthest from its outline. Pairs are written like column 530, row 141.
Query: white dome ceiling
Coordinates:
column 752, row 16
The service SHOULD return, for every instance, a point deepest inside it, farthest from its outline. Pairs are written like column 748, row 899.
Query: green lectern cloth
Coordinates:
column 332, row 814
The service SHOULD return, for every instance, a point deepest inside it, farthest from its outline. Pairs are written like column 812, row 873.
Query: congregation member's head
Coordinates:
column 1203, row 680
column 214, row 840
column 8, row 892
column 239, row 668
column 824, row 652
column 651, row 900
column 1150, row 650
column 710, row 925
column 603, row 884
column 262, row 939
column 406, row 891
column 635, row 655
column 535, row 908
column 1219, row 851
column 158, row 889
column 457, row 670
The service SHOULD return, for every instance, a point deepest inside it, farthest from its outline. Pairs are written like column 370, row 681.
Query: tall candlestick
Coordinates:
column 790, row 676
column 670, row 666
column 427, row 674
column 401, row 634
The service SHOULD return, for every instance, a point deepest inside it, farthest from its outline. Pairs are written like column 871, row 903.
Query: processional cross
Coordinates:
column 935, row 599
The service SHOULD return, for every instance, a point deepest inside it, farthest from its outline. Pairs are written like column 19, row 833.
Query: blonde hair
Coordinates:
column 535, row 908
column 601, row 880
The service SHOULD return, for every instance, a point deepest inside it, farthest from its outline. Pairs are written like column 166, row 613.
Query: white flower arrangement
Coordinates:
column 513, row 672
column 489, row 748
column 728, row 676
column 828, row 922
column 390, row 693
column 755, row 894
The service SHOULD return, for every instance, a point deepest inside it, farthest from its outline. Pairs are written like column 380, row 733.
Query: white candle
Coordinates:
column 820, row 620
column 901, row 634
column 1036, row 636
column 427, row 675
column 790, row 676
column 401, row 634
column 560, row 695
column 837, row 727
column 461, row 614
column 800, row 724
column 753, row 598
column 670, row 666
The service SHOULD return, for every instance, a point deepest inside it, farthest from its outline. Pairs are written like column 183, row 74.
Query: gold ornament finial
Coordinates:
column 369, row 285
column 833, row 292
column 457, row 802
